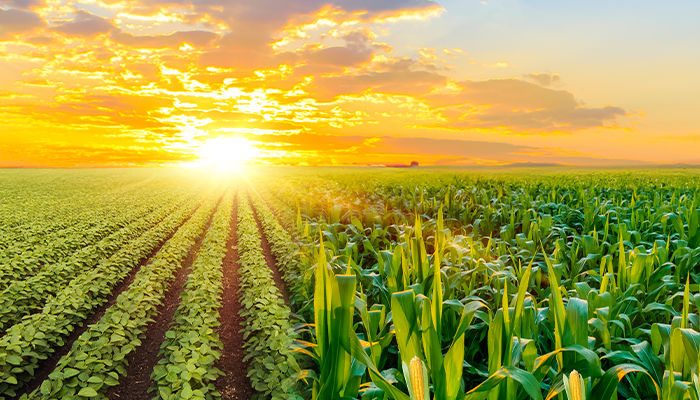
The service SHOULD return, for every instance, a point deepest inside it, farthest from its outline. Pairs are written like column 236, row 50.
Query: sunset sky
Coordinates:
column 311, row 82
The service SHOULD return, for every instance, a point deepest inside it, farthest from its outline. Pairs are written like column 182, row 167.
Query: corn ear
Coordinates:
column 574, row 386
column 417, row 376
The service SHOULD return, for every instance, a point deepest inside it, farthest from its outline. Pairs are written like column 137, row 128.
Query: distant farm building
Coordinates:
column 411, row 165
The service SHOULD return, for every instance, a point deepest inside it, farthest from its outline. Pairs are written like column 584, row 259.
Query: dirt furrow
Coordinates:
column 234, row 384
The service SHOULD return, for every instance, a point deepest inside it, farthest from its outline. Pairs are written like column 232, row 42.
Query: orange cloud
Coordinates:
column 519, row 106
column 177, row 39
column 85, row 24
column 17, row 21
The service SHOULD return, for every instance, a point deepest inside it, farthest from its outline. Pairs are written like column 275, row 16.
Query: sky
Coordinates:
column 97, row 83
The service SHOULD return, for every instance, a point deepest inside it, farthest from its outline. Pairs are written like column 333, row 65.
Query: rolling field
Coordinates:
column 350, row 283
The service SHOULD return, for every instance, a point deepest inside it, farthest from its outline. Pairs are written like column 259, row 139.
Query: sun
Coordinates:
column 226, row 153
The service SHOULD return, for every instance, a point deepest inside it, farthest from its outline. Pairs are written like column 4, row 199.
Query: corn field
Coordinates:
column 448, row 285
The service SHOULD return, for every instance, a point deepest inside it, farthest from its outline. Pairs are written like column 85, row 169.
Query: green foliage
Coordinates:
column 428, row 283
column 286, row 252
column 588, row 271
column 36, row 337
column 24, row 297
column 192, row 345
column 268, row 333
column 97, row 358
column 46, row 223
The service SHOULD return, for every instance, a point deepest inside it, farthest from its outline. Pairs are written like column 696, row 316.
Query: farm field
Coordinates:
column 350, row 283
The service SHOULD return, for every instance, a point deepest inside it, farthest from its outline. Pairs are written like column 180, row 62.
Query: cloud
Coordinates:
column 394, row 145
column 373, row 6
column 14, row 21
column 462, row 148
column 690, row 138
column 311, row 77
column 356, row 12
column 122, row 112
column 361, row 150
column 194, row 38
column 245, row 48
column 340, row 56
column 41, row 40
column 396, row 77
column 85, row 24
column 519, row 106
column 23, row 4
column 255, row 26
column 543, row 79
column 65, row 154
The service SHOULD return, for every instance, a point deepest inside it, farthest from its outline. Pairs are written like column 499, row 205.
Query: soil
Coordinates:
column 271, row 262
column 234, row 384
column 47, row 366
column 134, row 386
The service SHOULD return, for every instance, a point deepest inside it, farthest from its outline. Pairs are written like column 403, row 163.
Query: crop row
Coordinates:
column 646, row 226
column 26, row 258
column 27, row 224
column 268, row 333
column 32, row 224
column 40, row 208
column 286, row 252
column 284, row 212
column 192, row 345
column 553, row 281
column 36, row 337
column 27, row 296
column 98, row 357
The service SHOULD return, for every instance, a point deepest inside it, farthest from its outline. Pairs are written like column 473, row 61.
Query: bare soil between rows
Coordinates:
column 47, row 366
column 234, row 384
column 141, row 361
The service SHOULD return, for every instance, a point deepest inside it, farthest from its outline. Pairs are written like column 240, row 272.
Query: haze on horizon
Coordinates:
column 312, row 82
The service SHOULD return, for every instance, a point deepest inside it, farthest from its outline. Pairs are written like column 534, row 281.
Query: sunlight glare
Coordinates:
column 227, row 153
